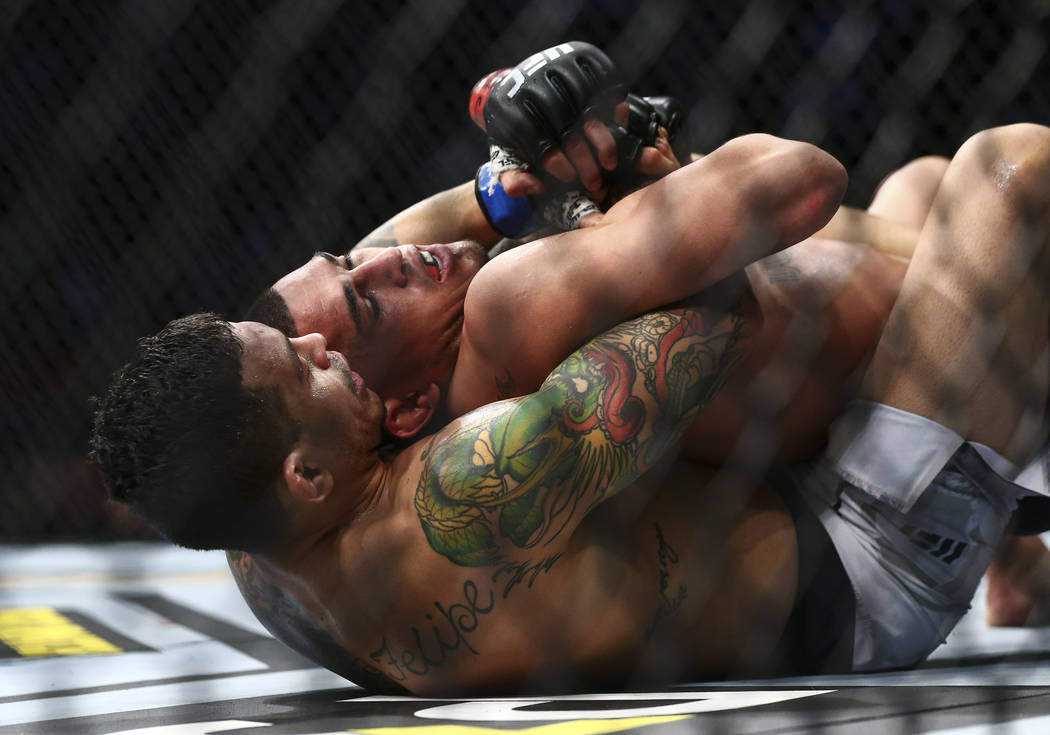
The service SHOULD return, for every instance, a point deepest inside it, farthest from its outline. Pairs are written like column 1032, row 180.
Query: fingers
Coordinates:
column 518, row 183
column 579, row 153
column 658, row 159
column 602, row 142
column 591, row 220
column 584, row 156
column 557, row 165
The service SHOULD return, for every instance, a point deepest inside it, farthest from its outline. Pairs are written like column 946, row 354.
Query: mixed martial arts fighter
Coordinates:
column 823, row 301
column 673, row 616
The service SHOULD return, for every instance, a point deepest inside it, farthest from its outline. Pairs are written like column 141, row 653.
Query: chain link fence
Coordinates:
column 170, row 156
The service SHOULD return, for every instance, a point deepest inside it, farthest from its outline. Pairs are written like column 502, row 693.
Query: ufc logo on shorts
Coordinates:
column 532, row 65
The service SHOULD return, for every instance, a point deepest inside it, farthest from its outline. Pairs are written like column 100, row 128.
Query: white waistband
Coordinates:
column 894, row 455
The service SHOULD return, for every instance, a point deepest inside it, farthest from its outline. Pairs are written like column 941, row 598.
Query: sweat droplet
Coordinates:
column 1004, row 174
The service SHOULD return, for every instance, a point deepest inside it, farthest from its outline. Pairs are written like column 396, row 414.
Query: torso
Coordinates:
column 823, row 306
column 644, row 573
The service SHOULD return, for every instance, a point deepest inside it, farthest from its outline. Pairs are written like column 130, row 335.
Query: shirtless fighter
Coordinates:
column 826, row 299
column 823, row 301
column 482, row 558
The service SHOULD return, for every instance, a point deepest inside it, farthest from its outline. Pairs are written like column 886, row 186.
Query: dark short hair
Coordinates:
column 179, row 438
column 272, row 310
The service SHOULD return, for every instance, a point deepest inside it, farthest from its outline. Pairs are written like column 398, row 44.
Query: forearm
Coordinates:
column 448, row 216
column 675, row 238
column 750, row 198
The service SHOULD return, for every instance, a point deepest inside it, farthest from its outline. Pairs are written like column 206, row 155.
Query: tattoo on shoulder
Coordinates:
column 382, row 237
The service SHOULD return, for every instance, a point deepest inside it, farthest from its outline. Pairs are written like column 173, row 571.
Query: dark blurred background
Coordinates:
column 159, row 157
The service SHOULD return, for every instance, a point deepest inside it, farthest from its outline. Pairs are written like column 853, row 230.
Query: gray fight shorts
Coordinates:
column 915, row 514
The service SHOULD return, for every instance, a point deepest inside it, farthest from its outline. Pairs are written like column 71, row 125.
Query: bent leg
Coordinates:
column 914, row 502
column 966, row 342
column 907, row 194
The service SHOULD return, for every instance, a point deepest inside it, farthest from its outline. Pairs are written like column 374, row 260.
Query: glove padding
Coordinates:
column 646, row 116
column 564, row 205
column 531, row 108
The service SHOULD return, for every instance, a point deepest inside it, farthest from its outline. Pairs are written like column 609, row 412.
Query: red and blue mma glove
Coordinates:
column 528, row 110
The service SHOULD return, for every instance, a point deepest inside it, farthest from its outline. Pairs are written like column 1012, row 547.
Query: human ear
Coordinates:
column 405, row 416
column 307, row 481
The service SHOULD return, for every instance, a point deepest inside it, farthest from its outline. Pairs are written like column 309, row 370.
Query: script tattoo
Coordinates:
column 449, row 632
column 517, row 473
column 524, row 571
column 667, row 605
column 459, row 620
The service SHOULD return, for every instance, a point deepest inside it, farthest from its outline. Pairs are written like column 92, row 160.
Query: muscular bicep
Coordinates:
column 530, row 308
column 513, row 479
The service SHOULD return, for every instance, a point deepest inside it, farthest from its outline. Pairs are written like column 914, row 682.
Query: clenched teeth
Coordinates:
column 431, row 262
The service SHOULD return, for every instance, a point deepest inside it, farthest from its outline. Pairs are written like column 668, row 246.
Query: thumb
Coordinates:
column 592, row 219
column 518, row 183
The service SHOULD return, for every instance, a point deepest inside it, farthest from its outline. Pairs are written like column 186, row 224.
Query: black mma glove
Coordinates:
column 647, row 115
column 564, row 205
column 529, row 110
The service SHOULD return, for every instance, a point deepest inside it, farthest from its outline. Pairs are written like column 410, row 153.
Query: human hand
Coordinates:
column 556, row 137
column 551, row 112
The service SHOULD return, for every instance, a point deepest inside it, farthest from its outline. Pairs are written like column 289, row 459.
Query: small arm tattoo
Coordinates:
column 667, row 605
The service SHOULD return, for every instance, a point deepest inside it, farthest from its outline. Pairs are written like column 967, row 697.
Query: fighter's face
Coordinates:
column 396, row 316
column 332, row 403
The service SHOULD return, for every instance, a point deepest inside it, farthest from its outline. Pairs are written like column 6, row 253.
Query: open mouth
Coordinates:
column 357, row 383
column 353, row 380
column 432, row 265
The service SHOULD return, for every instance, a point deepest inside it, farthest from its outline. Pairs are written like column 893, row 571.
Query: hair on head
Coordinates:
column 180, row 439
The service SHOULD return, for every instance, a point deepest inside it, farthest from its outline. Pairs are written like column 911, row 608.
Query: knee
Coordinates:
column 1015, row 159
column 907, row 194
column 919, row 175
column 928, row 170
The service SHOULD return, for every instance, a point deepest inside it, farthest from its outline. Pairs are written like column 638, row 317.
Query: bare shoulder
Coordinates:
column 289, row 622
column 525, row 311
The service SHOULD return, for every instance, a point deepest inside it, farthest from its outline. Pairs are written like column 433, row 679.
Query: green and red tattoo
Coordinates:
column 519, row 473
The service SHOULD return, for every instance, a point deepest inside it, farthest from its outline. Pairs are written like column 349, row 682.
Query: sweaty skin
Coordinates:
column 518, row 524
column 528, row 308
column 712, row 576
column 822, row 303
column 647, row 567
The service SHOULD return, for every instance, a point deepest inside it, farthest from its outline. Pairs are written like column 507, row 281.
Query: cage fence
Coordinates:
column 165, row 157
